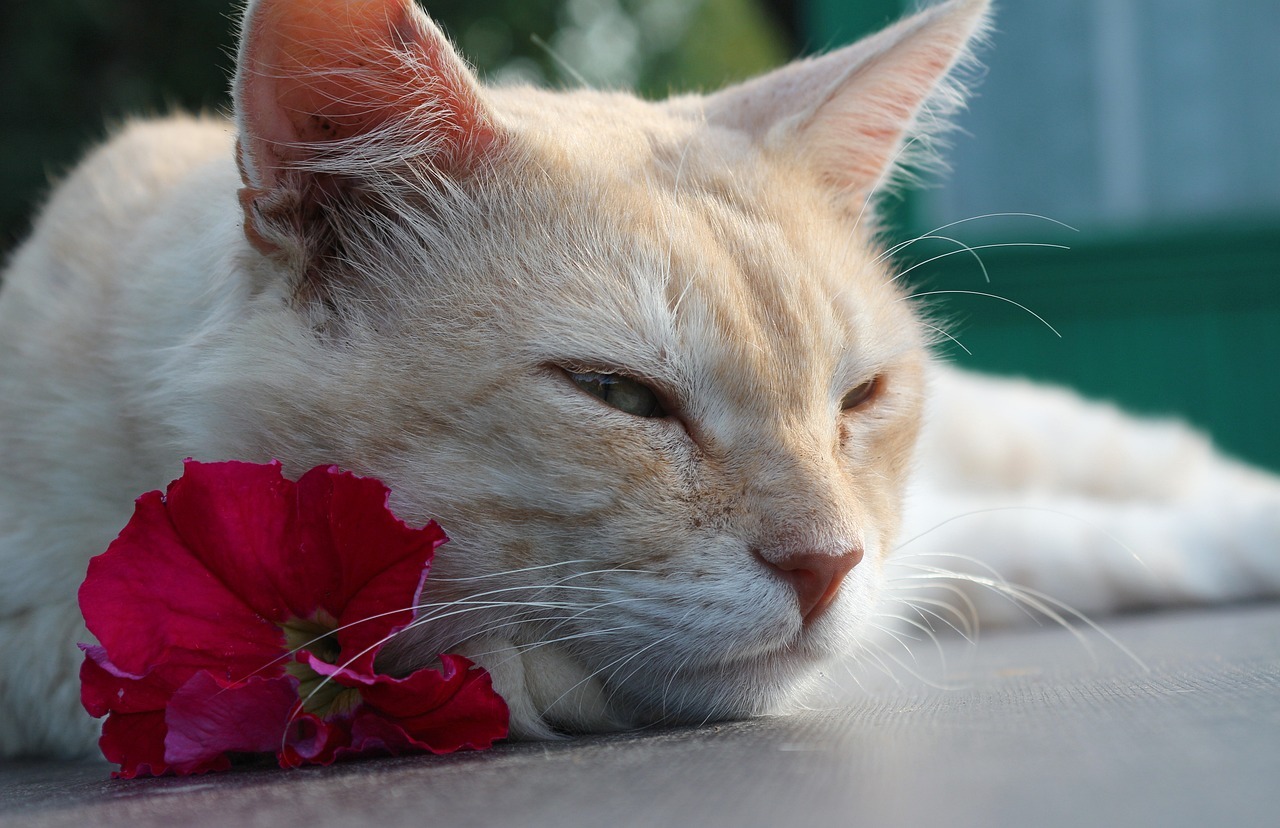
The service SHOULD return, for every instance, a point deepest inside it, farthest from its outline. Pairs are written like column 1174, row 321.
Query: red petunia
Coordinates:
column 240, row 612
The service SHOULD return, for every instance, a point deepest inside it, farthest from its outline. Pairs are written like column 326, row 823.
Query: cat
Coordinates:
column 644, row 361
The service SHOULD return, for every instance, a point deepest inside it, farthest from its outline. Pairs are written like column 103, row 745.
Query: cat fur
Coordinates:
column 380, row 263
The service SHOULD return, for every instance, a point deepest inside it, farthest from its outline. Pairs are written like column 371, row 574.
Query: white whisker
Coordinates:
column 964, row 247
column 1026, row 597
column 915, row 674
column 968, row 249
column 434, row 579
column 560, row 61
column 964, row 626
column 931, row 234
column 923, row 294
column 938, row 330
column 885, row 176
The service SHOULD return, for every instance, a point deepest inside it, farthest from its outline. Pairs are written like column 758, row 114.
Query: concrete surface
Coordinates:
column 1032, row 728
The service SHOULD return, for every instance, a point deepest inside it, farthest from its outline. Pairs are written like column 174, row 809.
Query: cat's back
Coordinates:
column 120, row 225
column 97, row 233
column 86, row 226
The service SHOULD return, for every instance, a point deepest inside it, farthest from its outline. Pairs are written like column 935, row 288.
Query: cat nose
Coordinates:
column 815, row 576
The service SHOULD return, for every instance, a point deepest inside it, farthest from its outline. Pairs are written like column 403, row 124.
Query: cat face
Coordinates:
column 637, row 358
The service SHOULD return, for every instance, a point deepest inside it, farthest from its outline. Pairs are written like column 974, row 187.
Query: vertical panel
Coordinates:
column 1122, row 114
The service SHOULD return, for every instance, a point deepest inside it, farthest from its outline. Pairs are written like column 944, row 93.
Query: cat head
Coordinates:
column 643, row 361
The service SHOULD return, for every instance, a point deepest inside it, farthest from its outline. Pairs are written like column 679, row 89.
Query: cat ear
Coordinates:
column 336, row 88
column 849, row 113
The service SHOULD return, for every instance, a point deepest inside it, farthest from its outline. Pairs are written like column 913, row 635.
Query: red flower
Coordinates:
column 241, row 612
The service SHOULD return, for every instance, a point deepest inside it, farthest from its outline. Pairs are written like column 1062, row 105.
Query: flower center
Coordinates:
column 320, row 695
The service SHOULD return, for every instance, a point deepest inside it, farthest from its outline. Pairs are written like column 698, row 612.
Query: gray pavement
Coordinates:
column 1028, row 728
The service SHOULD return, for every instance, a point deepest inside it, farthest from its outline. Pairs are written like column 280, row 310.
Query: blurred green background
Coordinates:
column 1150, row 126
column 73, row 67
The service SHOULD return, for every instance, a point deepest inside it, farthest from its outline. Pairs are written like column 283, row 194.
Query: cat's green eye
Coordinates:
column 861, row 394
column 622, row 393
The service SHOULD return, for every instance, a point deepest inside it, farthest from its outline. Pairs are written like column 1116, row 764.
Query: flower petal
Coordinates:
column 208, row 718
column 379, row 562
column 135, row 742
column 192, row 601
column 105, row 688
column 149, row 600
column 440, row 711
column 240, row 520
column 133, row 734
column 447, row 710
column 373, row 734
column 313, row 741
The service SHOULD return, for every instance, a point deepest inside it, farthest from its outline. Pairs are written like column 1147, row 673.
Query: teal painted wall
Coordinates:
column 1168, row 301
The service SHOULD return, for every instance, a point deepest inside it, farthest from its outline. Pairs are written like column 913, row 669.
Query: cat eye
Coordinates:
column 622, row 393
column 861, row 394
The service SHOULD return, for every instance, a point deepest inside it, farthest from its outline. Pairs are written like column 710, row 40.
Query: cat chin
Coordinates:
column 759, row 687
column 551, row 695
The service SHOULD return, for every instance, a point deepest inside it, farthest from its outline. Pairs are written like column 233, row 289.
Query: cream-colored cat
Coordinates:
column 642, row 360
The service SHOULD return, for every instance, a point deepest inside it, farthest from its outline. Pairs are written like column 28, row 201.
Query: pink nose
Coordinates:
column 815, row 576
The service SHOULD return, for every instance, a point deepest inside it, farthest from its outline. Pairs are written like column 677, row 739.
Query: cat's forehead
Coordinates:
column 591, row 125
column 703, row 251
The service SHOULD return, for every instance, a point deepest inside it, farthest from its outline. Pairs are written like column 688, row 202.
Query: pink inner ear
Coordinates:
column 875, row 132
column 327, row 70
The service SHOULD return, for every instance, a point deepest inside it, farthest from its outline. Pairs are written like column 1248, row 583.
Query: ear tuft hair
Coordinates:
column 334, row 96
column 863, row 116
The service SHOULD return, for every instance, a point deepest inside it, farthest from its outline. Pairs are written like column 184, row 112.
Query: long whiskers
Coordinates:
column 621, row 661
column 931, row 234
column 476, row 602
column 507, row 572
column 1042, row 603
column 618, row 682
column 944, row 333
column 374, row 648
column 964, row 248
column 922, row 294
column 972, row 250
column 885, row 653
column 922, row 571
column 962, row 624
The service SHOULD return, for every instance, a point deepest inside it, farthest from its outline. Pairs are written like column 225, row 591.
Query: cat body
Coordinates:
column 384, row 266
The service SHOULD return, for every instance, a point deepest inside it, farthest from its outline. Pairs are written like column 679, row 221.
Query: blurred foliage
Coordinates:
column 71, row 67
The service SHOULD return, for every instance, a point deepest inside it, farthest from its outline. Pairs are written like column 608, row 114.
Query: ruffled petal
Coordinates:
column 440, row 711
column 313, row 741
column 379, row 562
column 135, row 742
column 450, row 709
column 105, row 688
column 133, row 735
column 208, row 718
column 373, row 735
column 149, row 600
